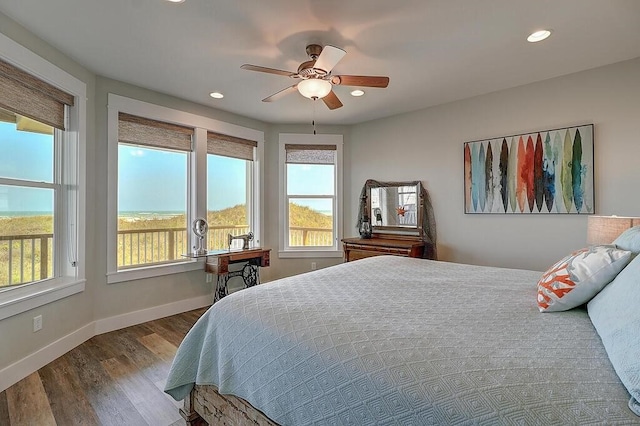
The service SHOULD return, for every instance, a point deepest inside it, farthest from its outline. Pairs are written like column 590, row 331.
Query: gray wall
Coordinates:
column 427, row 145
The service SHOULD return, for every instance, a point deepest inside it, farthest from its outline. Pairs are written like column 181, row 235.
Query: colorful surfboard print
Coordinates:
column 504, row 164
column 528, row 174
column 576, row 171
column 475, row 179
column 488, row 177
column 482, row 193
column 521, row 188
column 557, row 160
column 537, row 173
column 567, row 169
column 548, row 174
column 512, row 171
column 467, row 178
column 587, row 171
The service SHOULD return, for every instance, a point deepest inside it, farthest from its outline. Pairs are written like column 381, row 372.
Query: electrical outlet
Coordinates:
column 209, row 277
column 37, row 323
column 313, row 266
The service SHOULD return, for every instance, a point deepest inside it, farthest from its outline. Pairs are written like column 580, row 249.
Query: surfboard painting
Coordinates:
column 542, row 172
column 512, row 170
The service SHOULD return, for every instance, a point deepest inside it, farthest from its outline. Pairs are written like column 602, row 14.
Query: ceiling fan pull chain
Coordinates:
column 313, row 121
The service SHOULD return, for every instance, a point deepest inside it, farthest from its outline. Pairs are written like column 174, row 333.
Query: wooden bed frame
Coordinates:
column 205, row 405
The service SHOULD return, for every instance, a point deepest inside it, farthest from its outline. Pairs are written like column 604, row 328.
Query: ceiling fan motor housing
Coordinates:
column 314, row 50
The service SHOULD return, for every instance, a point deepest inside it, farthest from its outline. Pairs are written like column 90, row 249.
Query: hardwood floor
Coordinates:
column 112, row 379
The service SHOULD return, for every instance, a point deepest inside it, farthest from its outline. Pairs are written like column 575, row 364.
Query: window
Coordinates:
column 41, row 184
column 311, row 193
column 27, row 199
column 167, row 168
column 153, row 164
column 229, row 209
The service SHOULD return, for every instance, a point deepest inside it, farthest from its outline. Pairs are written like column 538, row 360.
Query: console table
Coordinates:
column 358, row 248
column 218, row 261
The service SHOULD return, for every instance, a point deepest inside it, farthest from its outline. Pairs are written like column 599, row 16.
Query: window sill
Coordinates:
column 154, row 271
column 291, row 254
column 31, row 296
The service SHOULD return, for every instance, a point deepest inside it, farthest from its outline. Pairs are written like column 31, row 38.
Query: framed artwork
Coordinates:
column 544, row 172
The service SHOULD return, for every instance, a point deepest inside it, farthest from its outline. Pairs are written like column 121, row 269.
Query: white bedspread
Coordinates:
column 399, row 341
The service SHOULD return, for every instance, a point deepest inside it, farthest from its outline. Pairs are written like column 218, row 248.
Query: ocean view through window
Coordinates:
column 27, row 196
column 166, row 169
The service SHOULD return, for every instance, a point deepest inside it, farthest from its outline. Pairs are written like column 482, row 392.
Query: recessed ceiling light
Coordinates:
column 216, row 95
column 357, row 92
column 176, row 1
column 538, row 36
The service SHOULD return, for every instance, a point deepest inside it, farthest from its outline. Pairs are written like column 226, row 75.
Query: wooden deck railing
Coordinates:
column 318, row 237
column 27, row 258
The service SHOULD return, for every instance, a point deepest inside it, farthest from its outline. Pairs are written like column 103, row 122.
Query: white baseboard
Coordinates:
column 138, row 317
column 35, row 361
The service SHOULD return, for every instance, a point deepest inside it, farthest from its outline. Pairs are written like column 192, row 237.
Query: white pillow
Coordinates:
column 575, row 279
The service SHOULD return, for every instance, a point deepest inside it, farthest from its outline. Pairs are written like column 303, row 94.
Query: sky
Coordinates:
column 158, row 178
column 19, row 148
column 164, row 178
column 316, row 179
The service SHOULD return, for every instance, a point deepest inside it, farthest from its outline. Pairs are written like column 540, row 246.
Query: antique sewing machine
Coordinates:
column 244, row 237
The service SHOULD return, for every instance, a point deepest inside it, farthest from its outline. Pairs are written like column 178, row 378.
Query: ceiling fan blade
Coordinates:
column 268, row 70
column 360, row 80
column 332, row 101
column 329, row 57
column 280, row 94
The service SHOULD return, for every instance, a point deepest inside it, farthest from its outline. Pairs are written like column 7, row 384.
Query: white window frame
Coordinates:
column 68, row 279
column 285, row 251
column 197, row 179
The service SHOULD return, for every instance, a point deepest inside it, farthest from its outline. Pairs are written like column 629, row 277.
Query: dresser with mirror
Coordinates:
column 392, row 220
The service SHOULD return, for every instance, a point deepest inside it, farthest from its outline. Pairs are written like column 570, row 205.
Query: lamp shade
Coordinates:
column 605, row 229
column 314, row 88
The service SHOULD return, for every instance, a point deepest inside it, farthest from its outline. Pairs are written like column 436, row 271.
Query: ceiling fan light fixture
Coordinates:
column 357, row 93
column 314, row 88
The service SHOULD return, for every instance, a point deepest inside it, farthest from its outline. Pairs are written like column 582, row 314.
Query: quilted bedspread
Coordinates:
column 400, row 341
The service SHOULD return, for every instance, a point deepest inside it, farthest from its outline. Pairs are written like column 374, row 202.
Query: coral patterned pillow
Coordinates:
column 578, row 277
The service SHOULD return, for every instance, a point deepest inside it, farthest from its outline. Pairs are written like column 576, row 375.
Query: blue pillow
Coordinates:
column 615, row 313
column 629, row 240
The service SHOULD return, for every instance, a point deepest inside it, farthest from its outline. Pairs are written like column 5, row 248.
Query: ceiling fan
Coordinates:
column 316, row 80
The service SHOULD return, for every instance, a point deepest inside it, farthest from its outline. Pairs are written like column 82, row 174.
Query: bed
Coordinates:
column 397, row 341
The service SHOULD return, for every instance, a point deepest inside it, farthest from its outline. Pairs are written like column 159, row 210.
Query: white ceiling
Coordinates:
column 434, row 51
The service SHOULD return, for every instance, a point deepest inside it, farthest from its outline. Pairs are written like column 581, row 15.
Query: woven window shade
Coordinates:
column 26, row 95
column 310, row 154
column 230, row 146
column 158, row 134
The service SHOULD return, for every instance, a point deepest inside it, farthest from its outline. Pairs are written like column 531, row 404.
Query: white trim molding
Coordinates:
column 16, row 300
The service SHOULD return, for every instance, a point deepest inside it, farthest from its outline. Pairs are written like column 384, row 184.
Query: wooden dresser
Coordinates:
column 378, row 245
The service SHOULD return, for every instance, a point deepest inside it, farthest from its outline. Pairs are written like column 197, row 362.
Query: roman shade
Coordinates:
column 29, row 96
column 230, row 146
column 310, row 154
column 158, row 134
